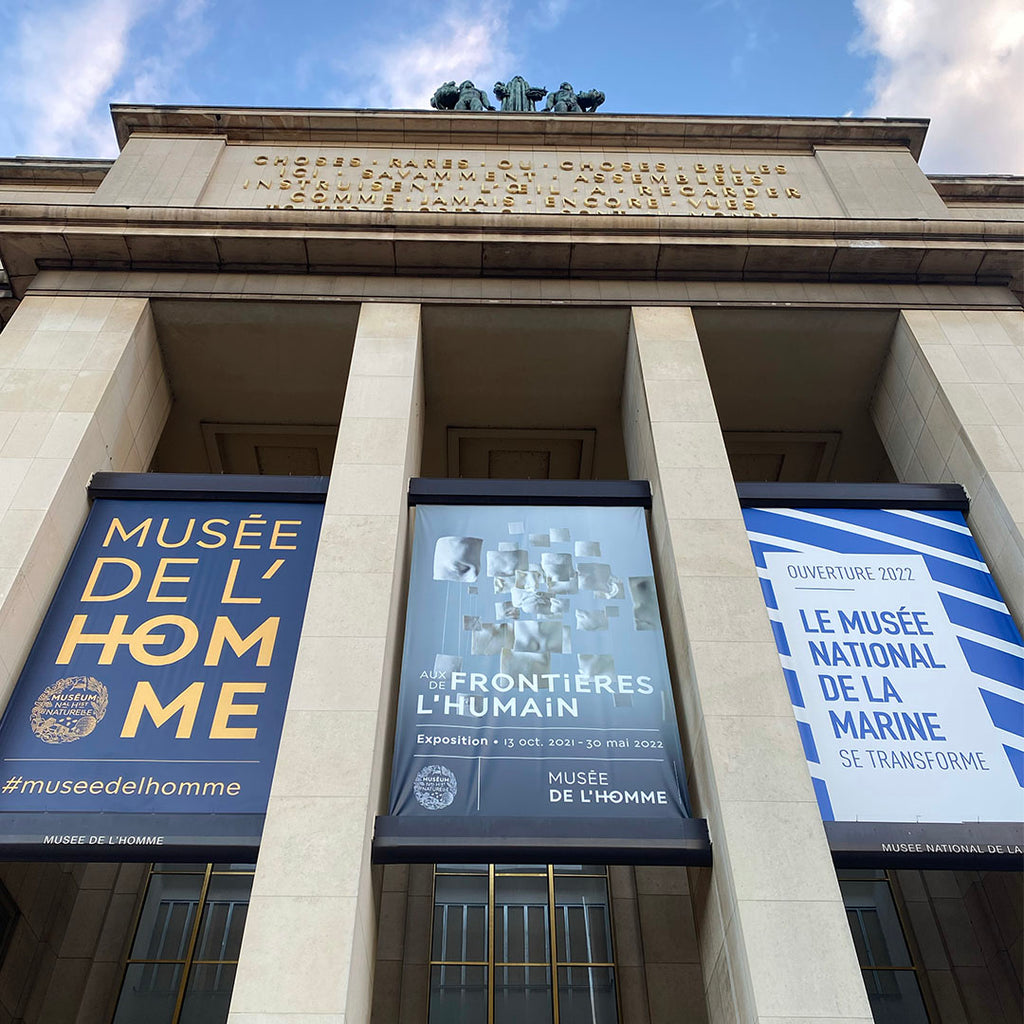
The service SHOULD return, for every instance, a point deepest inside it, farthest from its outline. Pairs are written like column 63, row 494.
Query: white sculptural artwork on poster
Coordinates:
column 535, row 586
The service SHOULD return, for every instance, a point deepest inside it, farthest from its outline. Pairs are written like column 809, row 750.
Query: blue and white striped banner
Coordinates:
column 904, row 667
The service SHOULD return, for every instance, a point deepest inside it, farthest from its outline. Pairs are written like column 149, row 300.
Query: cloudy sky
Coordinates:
column 960, row 63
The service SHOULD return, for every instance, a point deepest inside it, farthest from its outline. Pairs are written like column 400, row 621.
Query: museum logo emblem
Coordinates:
column 435, row 787
column 69, row 709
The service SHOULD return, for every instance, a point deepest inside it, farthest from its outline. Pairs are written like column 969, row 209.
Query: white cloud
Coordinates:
column 405, row 74
column 155, row 75
column 62, row 64
column 549, row 13
column 960, row 64
column 56, row 68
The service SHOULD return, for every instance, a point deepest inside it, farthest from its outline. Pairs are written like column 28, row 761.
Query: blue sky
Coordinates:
column 959, row 62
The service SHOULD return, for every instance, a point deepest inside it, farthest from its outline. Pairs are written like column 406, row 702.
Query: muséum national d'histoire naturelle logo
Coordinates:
column 69, row 709
column 435, row 787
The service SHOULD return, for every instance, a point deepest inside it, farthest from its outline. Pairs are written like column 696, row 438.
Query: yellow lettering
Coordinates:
column 160, row 577
column 110, row 640
column 164, row 543
column 224, row 630
column 186, row 704
column 227, row 597
column 244, row 533
column 144, row 637
column 133, row 568
column 116, row 525
column 220, row 730
column 221, row 537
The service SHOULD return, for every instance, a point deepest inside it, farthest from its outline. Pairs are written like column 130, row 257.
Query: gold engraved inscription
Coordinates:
column 486, row 182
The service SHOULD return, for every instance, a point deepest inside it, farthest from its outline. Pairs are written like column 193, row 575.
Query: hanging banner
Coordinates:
column 534, row 678
column 147, row 718
column 904, row 667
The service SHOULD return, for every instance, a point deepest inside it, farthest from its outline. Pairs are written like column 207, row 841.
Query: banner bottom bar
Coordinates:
column 420, row 840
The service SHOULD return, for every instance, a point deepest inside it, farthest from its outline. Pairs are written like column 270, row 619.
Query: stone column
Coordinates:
column 774, row 942
column 82, row 389
column 950, row 408
column 310, row 938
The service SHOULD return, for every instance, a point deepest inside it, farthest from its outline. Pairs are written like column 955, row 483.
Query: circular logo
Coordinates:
column 69, row 709
column 435, row 787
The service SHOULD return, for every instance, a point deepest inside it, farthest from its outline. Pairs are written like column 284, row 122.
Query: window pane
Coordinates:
column 460, row 918
column 895, row 997
column 462, row 869
column 208, row 994
column 220, row 933
column 167, row 917
column 149, row 994
column 458, row 995
column 582, row 929
column 875, row 925
column 521, row 920
column 586, row 995
column 522, row 994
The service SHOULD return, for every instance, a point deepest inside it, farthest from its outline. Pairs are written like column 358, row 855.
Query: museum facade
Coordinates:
column 302, row 327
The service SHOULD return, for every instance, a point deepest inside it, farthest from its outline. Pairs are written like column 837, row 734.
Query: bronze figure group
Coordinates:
column 516, row 95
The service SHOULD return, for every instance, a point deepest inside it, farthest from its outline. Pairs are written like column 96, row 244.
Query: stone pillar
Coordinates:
column 950, row 408
column 310, row 938
column 774, row 942
column 82, row 389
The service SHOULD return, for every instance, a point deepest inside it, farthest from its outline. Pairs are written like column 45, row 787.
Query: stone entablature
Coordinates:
column 222, row 189
column 441, row 162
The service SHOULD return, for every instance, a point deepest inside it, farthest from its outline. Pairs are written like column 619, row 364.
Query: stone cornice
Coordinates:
column 412, row 127
column 34, row 237
column 36, row 170
column 998, row 189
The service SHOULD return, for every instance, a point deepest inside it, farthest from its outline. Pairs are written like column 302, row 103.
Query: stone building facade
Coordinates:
column 379, row 295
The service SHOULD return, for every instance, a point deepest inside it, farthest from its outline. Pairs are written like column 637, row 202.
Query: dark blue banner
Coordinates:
column 158, row 682
column 534, row 677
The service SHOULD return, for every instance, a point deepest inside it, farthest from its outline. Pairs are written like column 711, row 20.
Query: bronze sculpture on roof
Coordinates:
column 516, row 95
column 466, row 96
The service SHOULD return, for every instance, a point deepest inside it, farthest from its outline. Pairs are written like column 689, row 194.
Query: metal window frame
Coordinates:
column 208, row 872
column 915, row 967
column 552, row 964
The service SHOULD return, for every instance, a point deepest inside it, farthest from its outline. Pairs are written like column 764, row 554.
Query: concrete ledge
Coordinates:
column 263, row 124
column 638, row 247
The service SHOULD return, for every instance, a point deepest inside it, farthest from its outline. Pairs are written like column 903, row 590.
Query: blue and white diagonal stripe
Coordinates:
column 977, row 615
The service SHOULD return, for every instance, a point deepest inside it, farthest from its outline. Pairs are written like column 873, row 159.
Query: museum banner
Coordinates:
column 535, row 684
column 147, row 717
column 905, row 671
